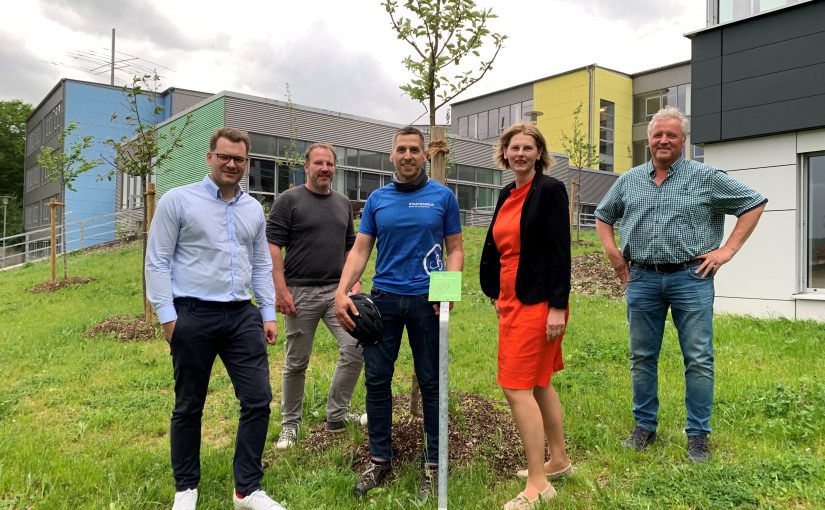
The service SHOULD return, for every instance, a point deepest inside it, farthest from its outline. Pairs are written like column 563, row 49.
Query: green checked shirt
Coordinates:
column 682, row 218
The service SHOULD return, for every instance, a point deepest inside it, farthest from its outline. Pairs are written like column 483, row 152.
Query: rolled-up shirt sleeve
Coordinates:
column 160, row 248
column 611, row 207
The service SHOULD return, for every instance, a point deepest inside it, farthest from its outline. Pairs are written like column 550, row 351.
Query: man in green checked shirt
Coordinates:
column 672, row 215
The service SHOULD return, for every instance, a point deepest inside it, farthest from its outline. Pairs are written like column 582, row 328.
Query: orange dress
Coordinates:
column 525, row 358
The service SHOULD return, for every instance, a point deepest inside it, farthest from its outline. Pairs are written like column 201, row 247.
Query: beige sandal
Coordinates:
column 555, row 475
column 521, row 502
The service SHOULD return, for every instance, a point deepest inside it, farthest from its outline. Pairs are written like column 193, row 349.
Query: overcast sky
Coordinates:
column 338, row 55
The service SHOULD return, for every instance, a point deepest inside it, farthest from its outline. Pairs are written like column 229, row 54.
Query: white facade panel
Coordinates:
column 766, row 267
column 810, row 310
column 766, row 151
column 762, row 308
column 778, row 184
column 810, row 141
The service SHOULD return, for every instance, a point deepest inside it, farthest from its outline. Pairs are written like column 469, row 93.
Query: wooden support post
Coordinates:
column 574, row 186
column 53, row 236
column 438, row 158
column 149, row 213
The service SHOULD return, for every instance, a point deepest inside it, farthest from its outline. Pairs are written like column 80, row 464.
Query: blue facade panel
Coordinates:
column 90, row 209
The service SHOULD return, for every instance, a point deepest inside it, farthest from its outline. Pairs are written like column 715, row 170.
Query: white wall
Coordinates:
column 764, row 278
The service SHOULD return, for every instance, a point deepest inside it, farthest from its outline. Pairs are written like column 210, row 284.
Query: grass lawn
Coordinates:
column 84, row 421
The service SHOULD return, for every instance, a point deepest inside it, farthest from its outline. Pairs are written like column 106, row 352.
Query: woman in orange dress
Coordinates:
column 525, row 270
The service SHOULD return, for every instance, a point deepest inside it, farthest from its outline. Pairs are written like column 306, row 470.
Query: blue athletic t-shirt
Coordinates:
column 410, row 229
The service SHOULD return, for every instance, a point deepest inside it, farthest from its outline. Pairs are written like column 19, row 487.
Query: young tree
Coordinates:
column 13, row 115
column 147, row 149
column 443, row 34
column 294, row 158
column 64, row 165
column 581, row 154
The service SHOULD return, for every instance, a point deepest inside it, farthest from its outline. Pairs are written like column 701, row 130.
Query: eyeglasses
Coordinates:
column 224, row 158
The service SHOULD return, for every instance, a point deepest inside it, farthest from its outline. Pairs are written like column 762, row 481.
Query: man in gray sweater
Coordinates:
column 313, row 223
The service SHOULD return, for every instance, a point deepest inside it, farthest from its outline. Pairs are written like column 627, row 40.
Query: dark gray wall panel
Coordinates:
column 793, row 115
column 782, row 56
column 706, row 100
column 706, row 45
column 705, row 128
column 794, row 84
column 706, row 73
column 772, row 75
column 774, row 27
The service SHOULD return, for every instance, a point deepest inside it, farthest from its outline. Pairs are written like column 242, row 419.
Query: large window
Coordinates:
column 483, row 125
column 647, row 104
column 369, row 183
column 815, row 222
column 490, row 123
column 732, row 10
column 131, row 192
column 262, row 176
column 607, row 114
column 698, row 153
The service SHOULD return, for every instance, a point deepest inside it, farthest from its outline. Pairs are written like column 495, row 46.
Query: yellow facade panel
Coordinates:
column 558, row 97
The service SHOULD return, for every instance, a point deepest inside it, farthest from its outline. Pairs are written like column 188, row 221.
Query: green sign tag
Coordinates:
column 445, row 286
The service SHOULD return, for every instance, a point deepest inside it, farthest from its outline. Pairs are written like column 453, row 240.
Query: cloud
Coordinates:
column 141, row 21
column 24, row 77
column 321, row 73
column 635, row 12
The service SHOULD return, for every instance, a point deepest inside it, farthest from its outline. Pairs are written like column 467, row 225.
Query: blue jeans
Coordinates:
column 690, row 298
column 418, row 316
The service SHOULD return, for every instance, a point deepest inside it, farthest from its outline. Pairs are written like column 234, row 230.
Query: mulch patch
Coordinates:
column 55, row 285
column 481, row 428
column 125, row 327
column 594, row 276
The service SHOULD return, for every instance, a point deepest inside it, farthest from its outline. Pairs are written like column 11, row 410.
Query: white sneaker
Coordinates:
column 286, row 439
column 186, row 500
column 258, row 500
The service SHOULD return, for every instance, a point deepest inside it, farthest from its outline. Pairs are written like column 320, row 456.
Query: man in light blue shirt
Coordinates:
column 207, row 247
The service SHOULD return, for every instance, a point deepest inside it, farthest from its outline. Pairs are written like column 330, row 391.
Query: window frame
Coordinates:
column 805, row 235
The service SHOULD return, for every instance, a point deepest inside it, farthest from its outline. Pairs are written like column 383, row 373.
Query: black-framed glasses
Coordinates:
column 224, row 158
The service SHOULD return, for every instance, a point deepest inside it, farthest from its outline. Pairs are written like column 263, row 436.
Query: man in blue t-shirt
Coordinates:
column 415, row 221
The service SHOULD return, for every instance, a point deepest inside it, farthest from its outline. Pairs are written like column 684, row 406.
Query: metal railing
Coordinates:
column 482, row 216
column 35, row 245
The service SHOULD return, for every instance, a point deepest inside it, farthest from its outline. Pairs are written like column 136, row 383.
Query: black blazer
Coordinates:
column 544, row 264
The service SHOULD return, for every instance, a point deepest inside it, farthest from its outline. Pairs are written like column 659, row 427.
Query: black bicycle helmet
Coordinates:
column 368, row 326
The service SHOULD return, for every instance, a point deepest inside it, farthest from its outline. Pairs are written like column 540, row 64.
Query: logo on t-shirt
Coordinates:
column 418, row 205
column 433, row 260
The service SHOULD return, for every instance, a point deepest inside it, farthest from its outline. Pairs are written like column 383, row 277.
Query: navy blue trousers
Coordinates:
column 234, row 332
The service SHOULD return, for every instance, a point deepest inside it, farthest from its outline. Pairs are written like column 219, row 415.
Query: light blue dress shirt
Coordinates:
column 203, row 247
